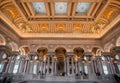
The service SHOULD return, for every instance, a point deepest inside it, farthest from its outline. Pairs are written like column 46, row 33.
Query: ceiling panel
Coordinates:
column 51, row 18
column 82, row 7
column 39, row 7
column 60, row 7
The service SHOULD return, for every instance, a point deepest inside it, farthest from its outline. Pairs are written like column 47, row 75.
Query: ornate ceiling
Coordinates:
column 60, row 18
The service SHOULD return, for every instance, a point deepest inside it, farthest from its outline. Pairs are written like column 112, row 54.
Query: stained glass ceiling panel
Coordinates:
column 60, row 7
column 39, row 7
column 82, row 7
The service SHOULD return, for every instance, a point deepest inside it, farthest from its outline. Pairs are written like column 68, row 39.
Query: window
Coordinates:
column 105, row 69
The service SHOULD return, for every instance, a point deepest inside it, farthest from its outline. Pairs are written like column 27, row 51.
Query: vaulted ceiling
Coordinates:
column 60, row 18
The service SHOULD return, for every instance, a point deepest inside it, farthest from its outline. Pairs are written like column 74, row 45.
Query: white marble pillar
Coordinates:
column 10, row 65
column 68, row 70
column 52, row 71
column 111, row 65
column 79, row 67
column 44, row 68
column 48, row 65
column 65, row 65
column 41, row 64
column 92, row 75
column 55, row 67
column 73, row 66
column 31, row 67
column 28, row 67
column 101, row 68
column 76, row 67
column 21, row 66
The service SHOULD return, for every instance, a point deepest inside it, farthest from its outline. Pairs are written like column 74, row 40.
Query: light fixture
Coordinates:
column 35, row 57
column 4, row 56
column 117, row 57
column 18, row 57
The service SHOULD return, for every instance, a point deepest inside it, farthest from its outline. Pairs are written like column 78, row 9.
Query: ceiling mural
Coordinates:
column 90, row 19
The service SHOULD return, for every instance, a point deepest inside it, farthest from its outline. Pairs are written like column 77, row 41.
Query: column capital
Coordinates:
column 106, row 53
column 116, row 49
column 88, row 53
column 15, row 53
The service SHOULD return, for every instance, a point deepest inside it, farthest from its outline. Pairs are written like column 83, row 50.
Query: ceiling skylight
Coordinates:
column 39, row 7
column 60, row 7
column 82, row 7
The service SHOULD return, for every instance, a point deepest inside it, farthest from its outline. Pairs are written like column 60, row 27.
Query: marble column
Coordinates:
column 52, row 71
column 79, row 67
column 9, row 64
column 44, row 68
column 68, row 68
column 28, row 66
column 76, row 67
column 73, row 66
column 55, row 67
column 48, row 65
column 65, row 66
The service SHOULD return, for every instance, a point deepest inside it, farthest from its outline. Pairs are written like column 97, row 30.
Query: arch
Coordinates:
column 60, row 53
column 2, row 40
column 78, row 51
column 41, row 52
column 41, row 46
column 118, row 41
column 13, row 45
column 24, row 50
column 63, row 46
column 96, row 51
column 108, row 46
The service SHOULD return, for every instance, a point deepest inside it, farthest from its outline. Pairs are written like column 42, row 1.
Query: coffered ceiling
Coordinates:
column 60, row 18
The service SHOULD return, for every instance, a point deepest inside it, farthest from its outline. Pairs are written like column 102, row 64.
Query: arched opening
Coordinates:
column 79, row 57
column 24, row 50
column 42, row 52
column 60, row 54
column 79, row 52
column 13, row 45
column 43, row 58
